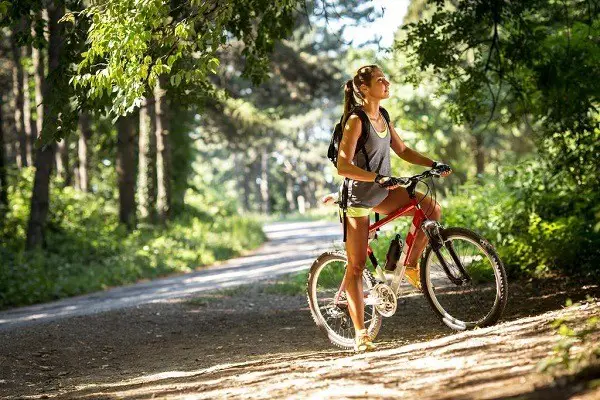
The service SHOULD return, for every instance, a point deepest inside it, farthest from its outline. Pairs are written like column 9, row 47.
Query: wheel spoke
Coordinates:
column 475, row 302
column 325, row 280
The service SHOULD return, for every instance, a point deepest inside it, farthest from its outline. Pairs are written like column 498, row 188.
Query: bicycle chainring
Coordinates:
column 385, row 299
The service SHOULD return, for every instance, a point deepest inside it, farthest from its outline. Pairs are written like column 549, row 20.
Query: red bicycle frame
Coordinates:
column 418, row 218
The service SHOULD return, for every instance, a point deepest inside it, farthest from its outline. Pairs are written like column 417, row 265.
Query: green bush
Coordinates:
column 86, row 248
column 539, row 223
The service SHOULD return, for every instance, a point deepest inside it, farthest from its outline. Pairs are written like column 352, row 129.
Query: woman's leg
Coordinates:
column 356, row 249
column 399, row 197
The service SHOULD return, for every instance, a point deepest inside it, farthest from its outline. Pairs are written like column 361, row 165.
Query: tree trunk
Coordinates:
column 479, row 153
column 240, row 179
column 39, row 73
column 17, row 81
column 3, row 182
column 306, row 194
column 289, row 192
column 63, row 170
column 30, row 128
column 43, row 161
column 126, row 170
column 312, row 200
column 85, row 127
column 246, row 185
column 146, row 161
column 264, row 182
column 163, row 153
column 10, row 136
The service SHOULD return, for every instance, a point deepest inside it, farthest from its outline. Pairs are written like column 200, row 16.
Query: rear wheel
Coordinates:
column 329, row 308
column 464, row 281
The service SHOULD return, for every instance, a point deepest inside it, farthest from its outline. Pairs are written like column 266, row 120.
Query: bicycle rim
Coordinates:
column 332, row 316
column 480, row 298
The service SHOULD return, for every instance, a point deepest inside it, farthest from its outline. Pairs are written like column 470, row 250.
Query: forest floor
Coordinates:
column 251, row 342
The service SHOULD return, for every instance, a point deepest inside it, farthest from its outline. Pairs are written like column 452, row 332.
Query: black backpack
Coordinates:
column 334, row 148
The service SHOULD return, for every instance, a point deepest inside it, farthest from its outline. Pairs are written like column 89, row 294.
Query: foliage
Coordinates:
column 539, row 223
column 132, row 43
column 537, row 56
column 563, row 357
column 88, row 250
column 289, row 285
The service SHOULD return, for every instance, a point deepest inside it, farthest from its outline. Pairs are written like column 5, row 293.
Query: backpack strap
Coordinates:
column 361, row 144
column 344, row 206
column 386, row 116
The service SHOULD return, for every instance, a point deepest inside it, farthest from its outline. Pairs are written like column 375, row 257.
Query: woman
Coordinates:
column 371, row 188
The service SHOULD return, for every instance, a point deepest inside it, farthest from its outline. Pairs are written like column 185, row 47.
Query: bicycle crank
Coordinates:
column 385, row 300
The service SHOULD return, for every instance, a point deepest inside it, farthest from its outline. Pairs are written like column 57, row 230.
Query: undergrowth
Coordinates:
column 86, row 249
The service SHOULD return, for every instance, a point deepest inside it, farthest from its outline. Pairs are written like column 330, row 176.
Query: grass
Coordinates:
column 325, row 213
column 286, row 285
column 87, row 250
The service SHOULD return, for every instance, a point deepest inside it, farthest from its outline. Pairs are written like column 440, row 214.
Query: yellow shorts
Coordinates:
column 356, row 212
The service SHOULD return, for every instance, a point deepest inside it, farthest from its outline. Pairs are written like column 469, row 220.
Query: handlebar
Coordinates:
column 426, row 174
column 410, row 188
column 423, row 175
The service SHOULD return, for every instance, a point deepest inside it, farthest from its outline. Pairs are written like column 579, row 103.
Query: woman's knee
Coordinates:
column 435, row 212
column 357, row 267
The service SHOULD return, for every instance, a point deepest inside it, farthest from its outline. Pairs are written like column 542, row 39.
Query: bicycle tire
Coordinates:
column 373, row 319
column 450, row 306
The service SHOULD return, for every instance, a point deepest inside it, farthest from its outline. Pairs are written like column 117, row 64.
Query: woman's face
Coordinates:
column 379, row 87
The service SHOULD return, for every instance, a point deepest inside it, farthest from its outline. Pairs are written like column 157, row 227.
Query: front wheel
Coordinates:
column 329, row 307
column 464, row 280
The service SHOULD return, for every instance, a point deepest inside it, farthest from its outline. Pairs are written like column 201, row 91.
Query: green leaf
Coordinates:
column 175, row 80
column 213, row 64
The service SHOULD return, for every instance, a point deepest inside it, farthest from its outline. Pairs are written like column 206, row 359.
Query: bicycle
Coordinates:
column 462, row 277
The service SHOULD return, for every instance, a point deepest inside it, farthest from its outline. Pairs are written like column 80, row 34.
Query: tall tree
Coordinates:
column 30, row 127
column 246, row 188
column 40, row 201
column 126, row 169
column 264, row 182
column 146, row 187
column 537, row 57
column 85, row 132
column 63, row 170
column 163, row 152
column 162, row 43
column 3, row 174
column 18, row 94
column 38, row 62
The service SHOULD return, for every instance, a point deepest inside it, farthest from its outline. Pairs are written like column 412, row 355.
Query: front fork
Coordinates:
column 433, row 231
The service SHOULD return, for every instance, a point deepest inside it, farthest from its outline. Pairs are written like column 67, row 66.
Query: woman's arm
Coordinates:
column 407, row 153
column 352, row 132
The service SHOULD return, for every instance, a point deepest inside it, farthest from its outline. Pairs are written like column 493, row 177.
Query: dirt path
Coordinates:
column 249, row 343
column 292, row 246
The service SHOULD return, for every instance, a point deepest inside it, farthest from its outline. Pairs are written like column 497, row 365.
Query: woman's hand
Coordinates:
column 329, row 199
column 390, row 182
column 443, row 169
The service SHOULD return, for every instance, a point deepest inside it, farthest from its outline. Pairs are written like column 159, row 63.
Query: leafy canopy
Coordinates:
column 538, row 56
column 131, row 43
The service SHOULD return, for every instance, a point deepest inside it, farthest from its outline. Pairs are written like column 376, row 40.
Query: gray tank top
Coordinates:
column 370, row 194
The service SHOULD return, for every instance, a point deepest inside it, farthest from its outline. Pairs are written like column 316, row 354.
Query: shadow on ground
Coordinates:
column 257, row 345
